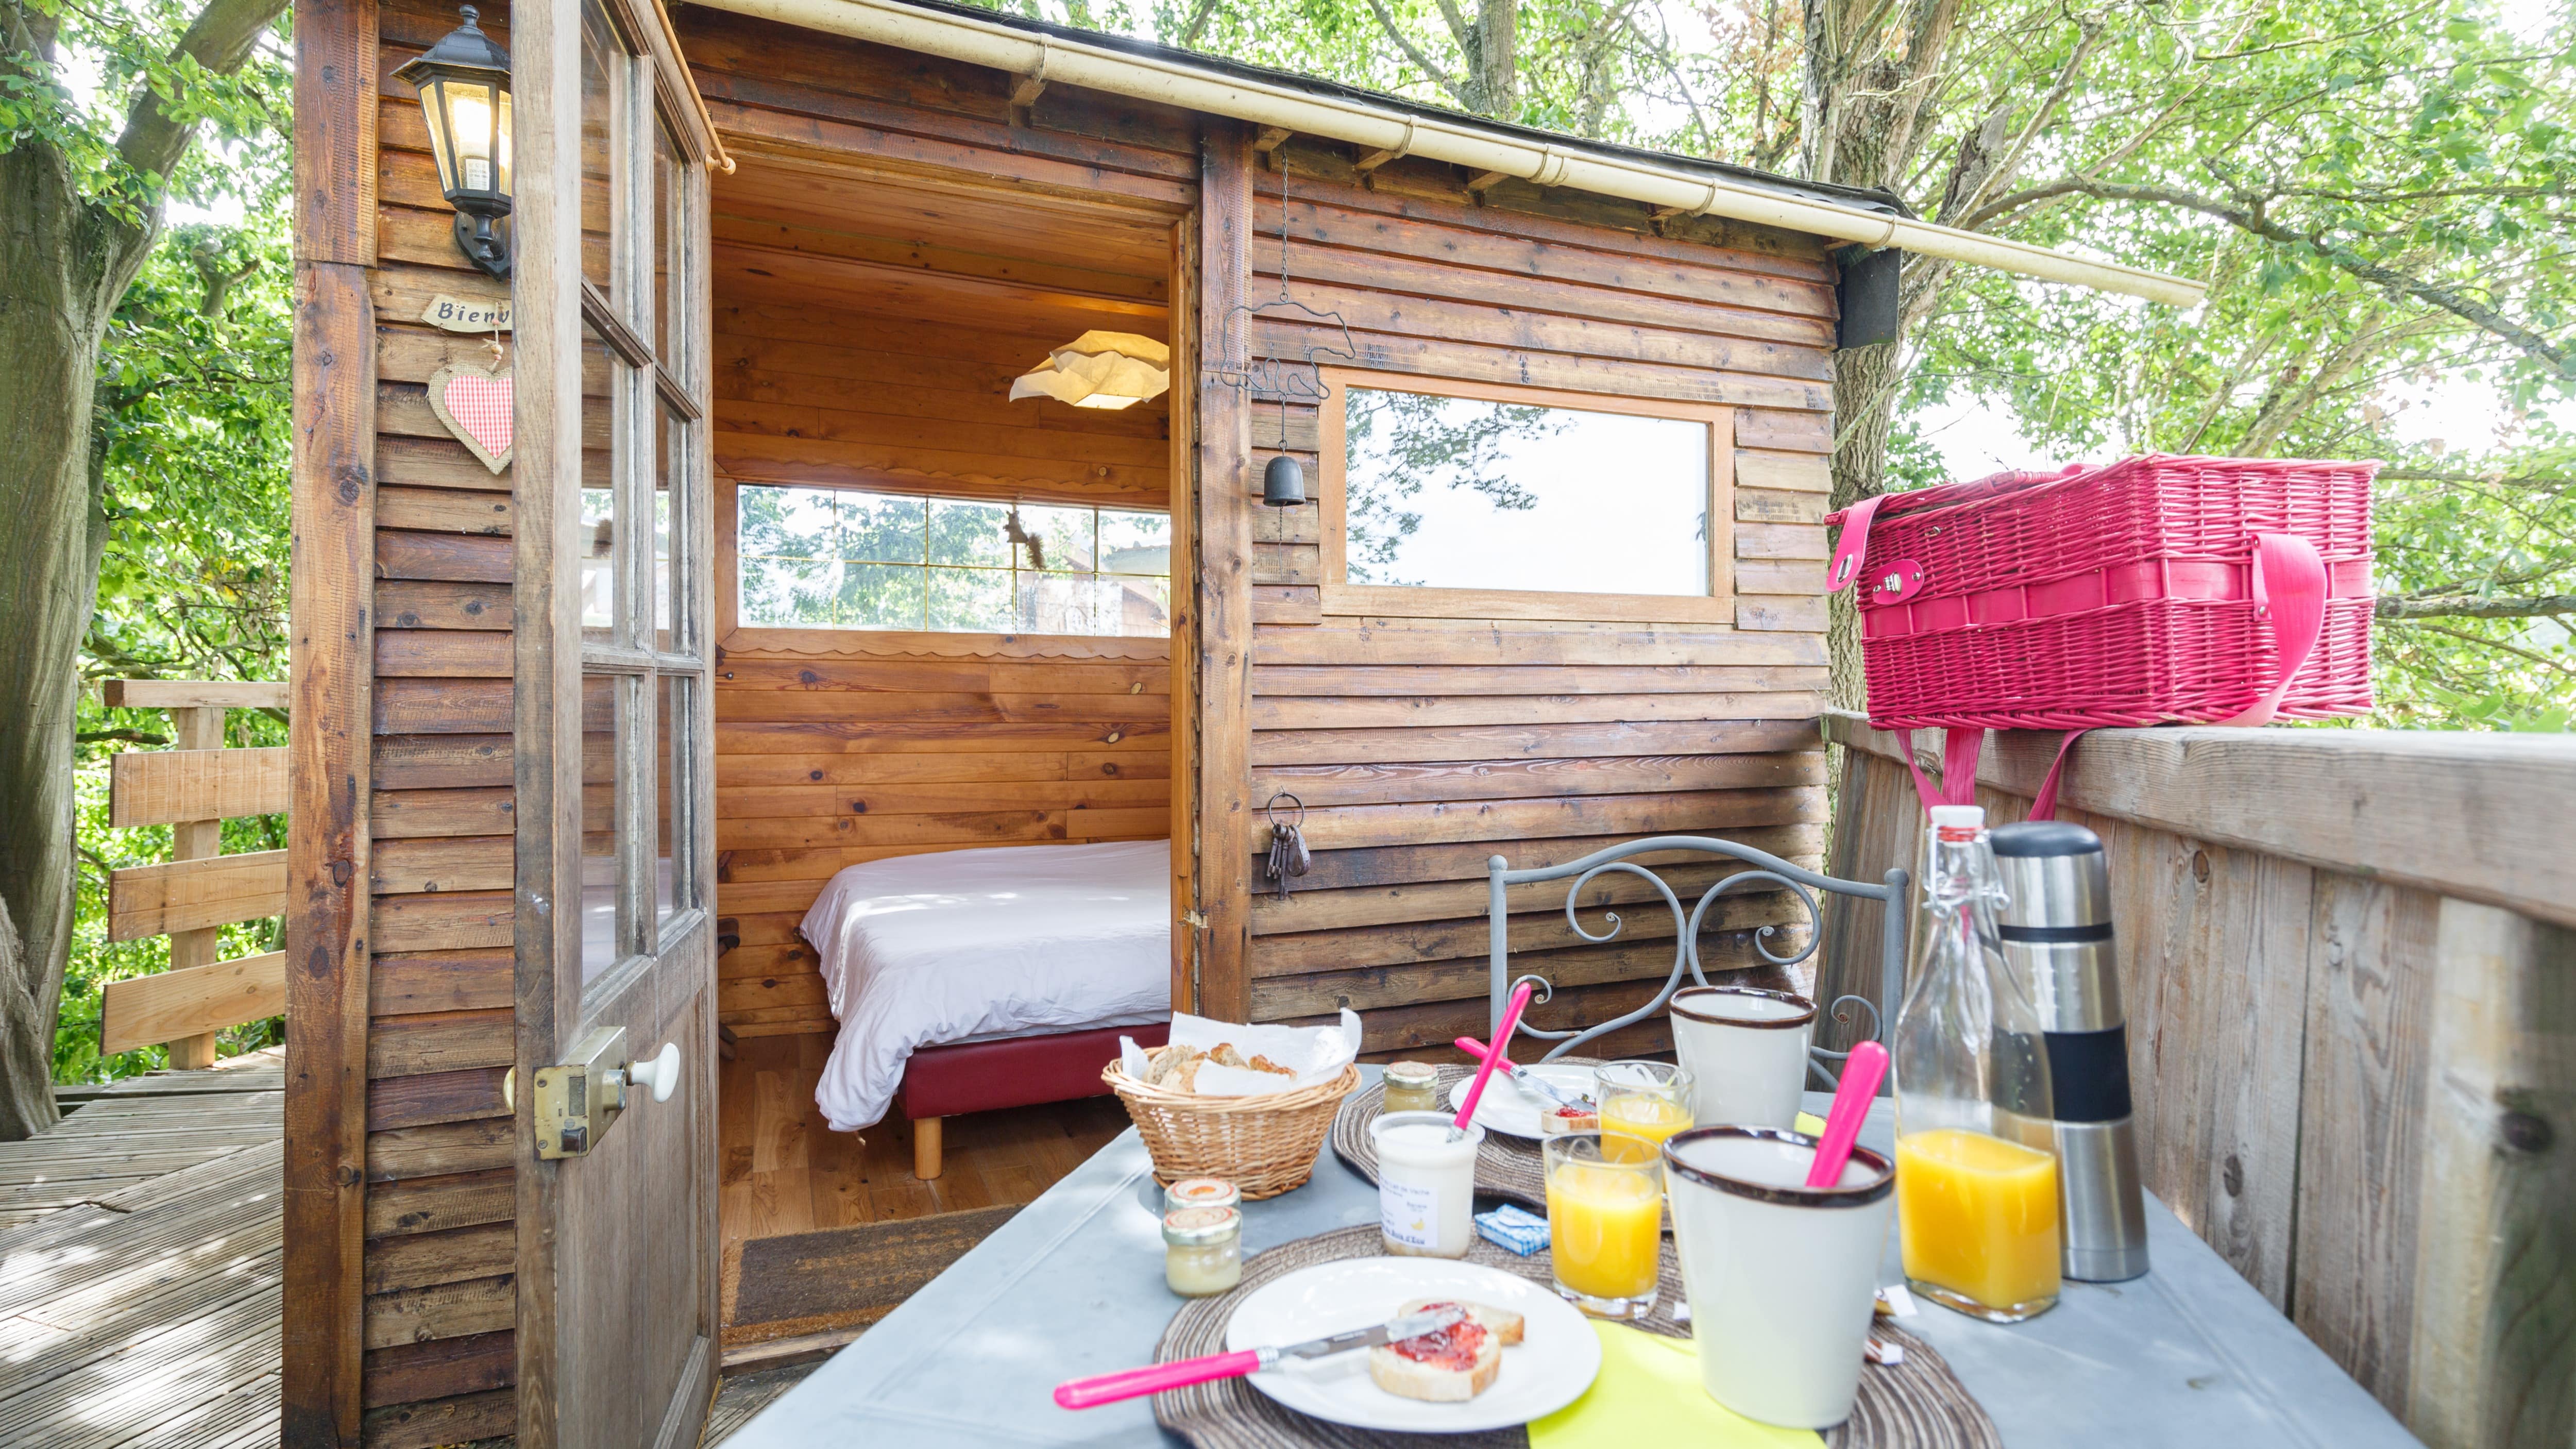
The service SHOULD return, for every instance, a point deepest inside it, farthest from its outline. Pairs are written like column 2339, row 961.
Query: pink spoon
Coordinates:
column 1493, row 1058
column 1861, row 1075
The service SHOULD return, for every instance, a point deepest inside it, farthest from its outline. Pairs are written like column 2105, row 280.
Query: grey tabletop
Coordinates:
column 1073, row 1285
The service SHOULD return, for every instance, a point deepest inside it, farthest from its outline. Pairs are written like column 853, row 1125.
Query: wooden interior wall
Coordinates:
column 1423, row 746
column 890, row 367
column 440, row 1362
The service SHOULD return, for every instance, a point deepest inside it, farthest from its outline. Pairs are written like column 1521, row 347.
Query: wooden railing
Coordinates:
column 193, row 788
column 2350, row 978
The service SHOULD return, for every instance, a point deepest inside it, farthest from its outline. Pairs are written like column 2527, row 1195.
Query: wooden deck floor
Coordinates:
column 140, row 1266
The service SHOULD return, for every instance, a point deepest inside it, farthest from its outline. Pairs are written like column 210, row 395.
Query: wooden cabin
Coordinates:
column 580, row 733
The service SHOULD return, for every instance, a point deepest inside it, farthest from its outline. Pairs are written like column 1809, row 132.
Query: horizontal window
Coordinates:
column 833, row 558
column 1448, row 492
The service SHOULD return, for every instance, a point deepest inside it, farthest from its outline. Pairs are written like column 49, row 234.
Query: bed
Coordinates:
column 967, row 980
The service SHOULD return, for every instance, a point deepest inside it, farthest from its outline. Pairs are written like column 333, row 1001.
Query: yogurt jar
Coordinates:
column 1426, row 1184
column 1202, row 1250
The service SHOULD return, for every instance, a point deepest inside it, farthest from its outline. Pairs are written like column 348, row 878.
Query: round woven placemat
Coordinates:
column 1506, row 1167
column 1919, row 1404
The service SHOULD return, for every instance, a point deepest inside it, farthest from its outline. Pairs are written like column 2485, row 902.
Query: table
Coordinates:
column 1073, row 1285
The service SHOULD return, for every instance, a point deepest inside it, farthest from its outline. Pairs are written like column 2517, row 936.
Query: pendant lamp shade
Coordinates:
column 1107, row 370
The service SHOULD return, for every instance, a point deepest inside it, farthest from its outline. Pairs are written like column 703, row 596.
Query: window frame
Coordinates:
column 1406, row 601
column 733, row 637
column 657, row 379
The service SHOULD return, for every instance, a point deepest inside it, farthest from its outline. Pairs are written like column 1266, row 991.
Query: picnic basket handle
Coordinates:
column 2289, row 592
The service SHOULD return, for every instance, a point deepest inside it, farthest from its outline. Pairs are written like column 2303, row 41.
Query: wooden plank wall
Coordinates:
column 1423, row 746
column 440, row 1243
column 833, row 750
column 2346, row 1084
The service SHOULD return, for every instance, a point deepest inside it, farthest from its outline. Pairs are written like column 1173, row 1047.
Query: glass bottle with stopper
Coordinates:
column 1976, row 1175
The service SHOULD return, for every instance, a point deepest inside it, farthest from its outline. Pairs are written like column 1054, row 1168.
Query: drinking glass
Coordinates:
column 1605, row 1223
column 1644, row 1103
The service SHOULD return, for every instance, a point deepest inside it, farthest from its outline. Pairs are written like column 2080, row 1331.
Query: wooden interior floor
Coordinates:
column 785, row 1172
column 140, row 1300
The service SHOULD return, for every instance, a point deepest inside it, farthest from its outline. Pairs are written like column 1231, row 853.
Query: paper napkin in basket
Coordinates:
column 1315, row 1053
column 1649, row 1393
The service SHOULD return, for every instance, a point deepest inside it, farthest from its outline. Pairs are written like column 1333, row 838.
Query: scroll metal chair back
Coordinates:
column 1765, row 869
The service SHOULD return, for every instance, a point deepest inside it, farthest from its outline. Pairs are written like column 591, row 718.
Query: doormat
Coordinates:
column 800, row 1283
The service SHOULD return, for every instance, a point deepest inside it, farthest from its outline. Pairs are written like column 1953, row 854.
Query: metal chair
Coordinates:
column 1798, row 880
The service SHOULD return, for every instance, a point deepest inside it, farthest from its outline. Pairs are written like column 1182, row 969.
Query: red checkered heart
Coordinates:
column 477, row 407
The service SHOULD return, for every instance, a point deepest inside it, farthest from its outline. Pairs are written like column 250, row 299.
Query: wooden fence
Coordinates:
column 193, row 788
column 2350, row 977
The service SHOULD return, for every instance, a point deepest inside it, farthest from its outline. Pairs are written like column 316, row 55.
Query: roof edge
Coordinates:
column 1143, row 70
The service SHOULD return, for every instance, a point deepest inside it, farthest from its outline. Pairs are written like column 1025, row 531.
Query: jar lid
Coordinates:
column 1195, row 1226
column 1412, row 1074
column 1201, row 1192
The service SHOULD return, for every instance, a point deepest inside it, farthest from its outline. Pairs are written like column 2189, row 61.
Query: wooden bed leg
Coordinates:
column 925, row 1148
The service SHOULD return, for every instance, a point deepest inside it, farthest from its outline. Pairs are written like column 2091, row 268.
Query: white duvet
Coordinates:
column 978, row 945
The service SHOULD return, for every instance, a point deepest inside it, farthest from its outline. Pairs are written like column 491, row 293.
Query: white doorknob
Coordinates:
column 662, row 1073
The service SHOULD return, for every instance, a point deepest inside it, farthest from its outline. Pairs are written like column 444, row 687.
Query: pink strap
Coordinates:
column 1853, row 545
column 2290, row 591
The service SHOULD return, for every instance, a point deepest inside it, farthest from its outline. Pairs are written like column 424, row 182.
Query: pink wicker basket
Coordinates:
column 2153, row 590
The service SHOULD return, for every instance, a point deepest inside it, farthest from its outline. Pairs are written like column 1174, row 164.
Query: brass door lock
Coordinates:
column 578, row 1100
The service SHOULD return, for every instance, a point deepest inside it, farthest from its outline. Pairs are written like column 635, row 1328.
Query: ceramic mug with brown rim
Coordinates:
column 1748, row 1049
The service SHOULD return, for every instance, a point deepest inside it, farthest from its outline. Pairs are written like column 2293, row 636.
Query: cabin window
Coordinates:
column 841, row 558
column 1437, row 491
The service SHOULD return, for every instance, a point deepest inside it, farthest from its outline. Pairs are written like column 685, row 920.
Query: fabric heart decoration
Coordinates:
column 477, row 407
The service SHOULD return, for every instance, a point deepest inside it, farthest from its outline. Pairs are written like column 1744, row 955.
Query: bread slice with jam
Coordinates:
column 1453, row 1364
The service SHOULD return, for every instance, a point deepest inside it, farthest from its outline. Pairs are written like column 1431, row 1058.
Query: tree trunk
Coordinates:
column 56, row 295
column 1865, row 381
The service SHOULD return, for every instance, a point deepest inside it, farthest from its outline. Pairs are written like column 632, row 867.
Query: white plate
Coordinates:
column 1505, row 1108
column 1551, row 1367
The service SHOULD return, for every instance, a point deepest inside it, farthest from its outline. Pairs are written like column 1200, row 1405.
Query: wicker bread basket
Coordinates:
column 1264, row 1145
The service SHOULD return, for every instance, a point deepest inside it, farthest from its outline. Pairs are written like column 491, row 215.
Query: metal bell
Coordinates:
column 1283, row 483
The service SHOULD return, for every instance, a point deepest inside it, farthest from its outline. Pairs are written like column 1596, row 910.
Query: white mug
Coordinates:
column 1780, row 1276
column 1748, row 1048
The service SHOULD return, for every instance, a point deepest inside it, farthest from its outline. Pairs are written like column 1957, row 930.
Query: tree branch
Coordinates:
column 2537, row 606
column 2250, row 218
column 2466, row 637
column 1413, row 52
column 219, row 41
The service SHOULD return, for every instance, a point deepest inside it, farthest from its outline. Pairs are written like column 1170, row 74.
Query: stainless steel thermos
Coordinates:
column 2056, row 930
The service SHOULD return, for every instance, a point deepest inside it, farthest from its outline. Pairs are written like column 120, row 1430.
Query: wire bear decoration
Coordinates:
column 1297, row 379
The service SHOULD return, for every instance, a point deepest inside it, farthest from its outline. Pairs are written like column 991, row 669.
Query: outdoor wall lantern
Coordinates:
column 464, row 85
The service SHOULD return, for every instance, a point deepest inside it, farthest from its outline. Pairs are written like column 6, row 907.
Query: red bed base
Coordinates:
column 984, row 1076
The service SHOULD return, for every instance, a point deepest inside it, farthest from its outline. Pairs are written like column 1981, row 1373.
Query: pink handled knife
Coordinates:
column 1527, row 1080
column 1181, row 1373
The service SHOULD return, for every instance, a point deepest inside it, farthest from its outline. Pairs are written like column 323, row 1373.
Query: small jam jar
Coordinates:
column 1412, row 1087
column 1202, row 1250
column 1192, row 1192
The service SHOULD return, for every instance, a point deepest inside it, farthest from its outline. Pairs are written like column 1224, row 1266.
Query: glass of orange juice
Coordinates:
column 1605, row 1222
column 1643, row 1103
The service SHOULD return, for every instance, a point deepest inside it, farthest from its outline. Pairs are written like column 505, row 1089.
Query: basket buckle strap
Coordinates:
column 1853, row 544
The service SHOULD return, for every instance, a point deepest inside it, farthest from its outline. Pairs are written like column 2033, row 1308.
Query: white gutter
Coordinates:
column 1178, row 83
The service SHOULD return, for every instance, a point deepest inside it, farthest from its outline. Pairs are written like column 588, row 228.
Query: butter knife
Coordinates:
column 1181, row 1373
column 1527, row 1080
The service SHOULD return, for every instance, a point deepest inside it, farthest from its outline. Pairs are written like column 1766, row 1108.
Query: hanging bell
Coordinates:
column 1283, row 483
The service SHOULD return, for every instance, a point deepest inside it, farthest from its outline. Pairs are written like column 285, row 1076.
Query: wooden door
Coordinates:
column 615, row 952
